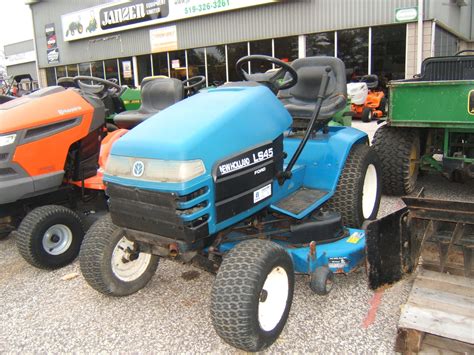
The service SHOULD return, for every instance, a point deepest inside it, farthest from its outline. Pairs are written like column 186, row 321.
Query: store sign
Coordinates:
column 164, row 39
column 127, row 69
column 406, row 15
column 20, row 58
column 175, row 64
column 127, row 14
column 52, row 51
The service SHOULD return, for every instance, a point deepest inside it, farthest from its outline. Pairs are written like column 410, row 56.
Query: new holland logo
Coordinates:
column 138, row 168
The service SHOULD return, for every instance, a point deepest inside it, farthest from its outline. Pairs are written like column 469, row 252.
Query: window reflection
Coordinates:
column 196, row 62
column 319, row 44
column 286, row 48
column 160, row 64
column 216, row 71
column 388, row 53
column 111, row 70
column 178, row 65
column 72, row 70
column 97, row 69
column 352, row 48
column 85, row 69
column 261, row 47
column 235, row 51
column 143, row 67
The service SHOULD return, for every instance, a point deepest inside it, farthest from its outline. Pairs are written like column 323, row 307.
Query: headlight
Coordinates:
column 154, row 170
column 7, row 140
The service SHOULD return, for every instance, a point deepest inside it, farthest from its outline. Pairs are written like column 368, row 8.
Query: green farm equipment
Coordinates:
column 430, row 124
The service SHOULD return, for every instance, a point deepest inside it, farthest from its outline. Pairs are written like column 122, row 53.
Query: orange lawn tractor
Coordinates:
column 368, row 100
column 53, row 147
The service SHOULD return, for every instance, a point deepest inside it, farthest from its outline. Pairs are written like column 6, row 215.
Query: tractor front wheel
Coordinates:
column 358, row 192
column 50, row 237
column 399, row 152
column 112, row 264
column 252, row 294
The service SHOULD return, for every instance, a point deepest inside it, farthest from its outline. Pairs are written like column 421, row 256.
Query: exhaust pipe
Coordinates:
column 173, row 250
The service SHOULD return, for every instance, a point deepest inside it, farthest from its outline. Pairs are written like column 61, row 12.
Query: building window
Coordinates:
column 196, row 62
column 286, row 48
column 98, row 69
column 216, row 72
column 111, row 70
column 263, row 47
column 61, row 72
column 50, row 77
column 319, row 44
column 85, row 69
column 72, row 70
column 144, row 67
column 160, row 64
column 178, row 65
column 445, row 43
column 126, row 71
column 235, row 51
column 388, row 53
column 352, row 48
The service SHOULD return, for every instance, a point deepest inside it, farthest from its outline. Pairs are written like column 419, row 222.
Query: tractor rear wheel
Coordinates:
column 399, row 152
column 358, row 192
column 50, row 237
column 367, row 115
column 112, row 264
column 252, row 294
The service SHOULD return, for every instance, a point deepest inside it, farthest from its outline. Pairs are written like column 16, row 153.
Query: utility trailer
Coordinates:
column 439, row 235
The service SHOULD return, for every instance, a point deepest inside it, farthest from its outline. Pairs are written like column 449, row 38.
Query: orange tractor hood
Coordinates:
column 35, row 111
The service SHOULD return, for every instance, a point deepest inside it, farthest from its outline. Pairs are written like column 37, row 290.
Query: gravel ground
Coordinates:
column 44, row 313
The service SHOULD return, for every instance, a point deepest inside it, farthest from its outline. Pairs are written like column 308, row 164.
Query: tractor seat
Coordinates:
column 157, row 94
column 372, row 81
column 300, row 100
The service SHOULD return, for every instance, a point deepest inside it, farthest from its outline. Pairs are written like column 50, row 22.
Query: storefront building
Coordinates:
column 129, row 40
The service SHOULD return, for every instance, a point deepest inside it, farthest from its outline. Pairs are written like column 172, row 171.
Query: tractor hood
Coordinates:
column 41, row 108
column 208, row 126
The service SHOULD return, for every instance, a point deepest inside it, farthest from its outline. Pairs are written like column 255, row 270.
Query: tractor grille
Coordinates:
column 158, row 213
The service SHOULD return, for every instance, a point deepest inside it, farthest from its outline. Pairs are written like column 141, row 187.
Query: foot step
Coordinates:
column 300, row 200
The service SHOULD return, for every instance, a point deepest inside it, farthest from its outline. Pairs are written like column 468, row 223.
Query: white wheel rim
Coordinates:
column 273, row 298
column 369, row 192
column 57, row 239
column 123, row 267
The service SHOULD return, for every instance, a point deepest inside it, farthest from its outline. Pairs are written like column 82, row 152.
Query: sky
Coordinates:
column 15, row 22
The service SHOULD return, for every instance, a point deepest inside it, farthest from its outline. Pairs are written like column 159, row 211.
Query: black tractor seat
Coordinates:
column 372, row 81
column 157, row 94
column 300, row 100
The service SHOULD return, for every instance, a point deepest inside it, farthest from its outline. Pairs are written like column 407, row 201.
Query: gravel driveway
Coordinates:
column 57, row 311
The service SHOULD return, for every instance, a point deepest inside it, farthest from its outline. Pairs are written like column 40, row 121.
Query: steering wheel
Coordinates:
column 272, row 79
column 193, row 84
column 103, row 88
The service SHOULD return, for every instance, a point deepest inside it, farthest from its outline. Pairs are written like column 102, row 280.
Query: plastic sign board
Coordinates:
column 127, row 69
column 164, row 39
column 406, row 15
column 127, row 14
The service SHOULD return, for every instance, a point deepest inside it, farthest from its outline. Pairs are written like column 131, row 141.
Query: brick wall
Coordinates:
column 412, row 42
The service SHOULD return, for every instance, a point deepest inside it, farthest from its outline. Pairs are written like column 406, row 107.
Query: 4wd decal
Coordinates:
column 470, row 102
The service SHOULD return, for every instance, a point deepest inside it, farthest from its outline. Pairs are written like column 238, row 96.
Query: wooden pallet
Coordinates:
column 439, row 315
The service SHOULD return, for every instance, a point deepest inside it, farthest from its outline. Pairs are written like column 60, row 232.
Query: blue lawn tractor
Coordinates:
column 246, row 180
